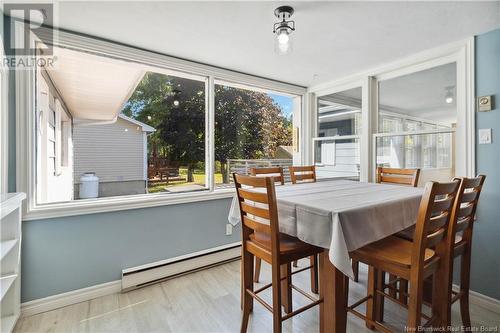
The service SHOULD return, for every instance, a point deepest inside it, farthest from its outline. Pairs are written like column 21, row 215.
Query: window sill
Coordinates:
column 104, row 205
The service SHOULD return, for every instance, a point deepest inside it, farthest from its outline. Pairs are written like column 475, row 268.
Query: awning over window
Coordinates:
column 94, row 88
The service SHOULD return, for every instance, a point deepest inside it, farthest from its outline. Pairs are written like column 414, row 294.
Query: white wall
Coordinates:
column 54, row 182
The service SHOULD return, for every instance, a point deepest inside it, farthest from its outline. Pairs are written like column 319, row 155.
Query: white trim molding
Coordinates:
column 486, row 302
column 4, row 122
column 26, row 145
column 69, row 298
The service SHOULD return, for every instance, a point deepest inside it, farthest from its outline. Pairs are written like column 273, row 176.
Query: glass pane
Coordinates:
column 175, row 107
column 340, row 113
column 415, row 151
column 421, row 101
column 337, row 158
column 131, row 128
column 418, row 101
column 252, row 129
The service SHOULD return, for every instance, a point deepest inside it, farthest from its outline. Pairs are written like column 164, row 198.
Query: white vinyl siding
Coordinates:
column 115, row 152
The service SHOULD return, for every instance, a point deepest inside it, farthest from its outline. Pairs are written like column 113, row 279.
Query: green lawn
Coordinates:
column 199, row 178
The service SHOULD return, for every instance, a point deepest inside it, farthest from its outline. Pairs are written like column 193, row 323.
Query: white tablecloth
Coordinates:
column 342, row 215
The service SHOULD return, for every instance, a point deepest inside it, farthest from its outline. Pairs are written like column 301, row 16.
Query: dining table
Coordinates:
column 340, row 216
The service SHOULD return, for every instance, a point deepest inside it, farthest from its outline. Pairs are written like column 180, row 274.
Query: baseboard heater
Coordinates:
column 137, row 277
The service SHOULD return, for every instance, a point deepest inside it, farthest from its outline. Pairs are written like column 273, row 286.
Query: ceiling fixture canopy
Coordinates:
column 283, row 29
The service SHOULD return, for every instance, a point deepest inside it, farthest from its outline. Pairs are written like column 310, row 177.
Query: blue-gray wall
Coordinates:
column 485, row 273
column 63, row 254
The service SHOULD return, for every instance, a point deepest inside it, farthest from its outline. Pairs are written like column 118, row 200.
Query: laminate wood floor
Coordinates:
column 206, row 301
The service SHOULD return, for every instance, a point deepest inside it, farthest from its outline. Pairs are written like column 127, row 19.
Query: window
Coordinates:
column 111, row 128
column 416, row 120
column 336, row 147
column 175, row 108
column 253, row 128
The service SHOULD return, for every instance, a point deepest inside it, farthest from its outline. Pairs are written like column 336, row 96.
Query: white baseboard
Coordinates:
column 481, row 300
column 72, row 297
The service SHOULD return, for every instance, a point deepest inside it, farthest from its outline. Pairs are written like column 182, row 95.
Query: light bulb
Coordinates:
column 176, row 103
column 449, row 100
column 283, row 37
column 283, row 48
column 149, row 117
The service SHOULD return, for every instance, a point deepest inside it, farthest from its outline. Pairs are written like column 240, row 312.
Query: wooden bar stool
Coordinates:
column 428, row 255
column 306, row 174
column 261, row 238
column 407, row 177
column 463, row 243
column 277, row 174
column 460, row 235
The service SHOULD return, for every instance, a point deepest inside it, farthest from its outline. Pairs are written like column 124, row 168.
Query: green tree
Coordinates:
column 248, row 124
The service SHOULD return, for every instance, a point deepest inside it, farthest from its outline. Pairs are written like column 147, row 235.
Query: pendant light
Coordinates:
column 283, row 29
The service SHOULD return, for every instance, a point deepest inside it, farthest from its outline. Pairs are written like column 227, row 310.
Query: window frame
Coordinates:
column 4, row 123
column 26, row 137
column 460, row 52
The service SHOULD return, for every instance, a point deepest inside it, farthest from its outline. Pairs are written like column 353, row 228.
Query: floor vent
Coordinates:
column 137, row 277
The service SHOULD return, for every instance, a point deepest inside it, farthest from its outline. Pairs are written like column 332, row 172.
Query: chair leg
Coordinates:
column 286, row 287
column 296, row 263
column 355, row 270
column 247, row 283
column 371, row 303
column 314, row 273
column 464, row 288
column 403, row 291
column 392, row 286
column 276, row 286
column 380, row 299
column 256, row 276
column 414, row 304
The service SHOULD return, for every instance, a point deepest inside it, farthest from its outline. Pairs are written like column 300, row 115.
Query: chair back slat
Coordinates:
column 275, row 172
column 439, row 221
column 436, row 237
column 398, row 176
column 302, row 173
column 252, row 195
column 256, row 211
column 256, row 226
column 463, row 224
column 465, row 210
column 470, row 196
column 442, row 205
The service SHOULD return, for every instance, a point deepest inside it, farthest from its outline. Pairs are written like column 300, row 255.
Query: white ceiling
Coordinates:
column 93, row 88
column 420, row 95
column 332, row 40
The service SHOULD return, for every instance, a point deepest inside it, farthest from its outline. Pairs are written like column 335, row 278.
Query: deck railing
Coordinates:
column 243, row 166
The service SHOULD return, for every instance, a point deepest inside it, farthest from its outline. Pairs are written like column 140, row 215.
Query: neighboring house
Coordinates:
column 284, row 152
column 116, row 153
column 79, row 130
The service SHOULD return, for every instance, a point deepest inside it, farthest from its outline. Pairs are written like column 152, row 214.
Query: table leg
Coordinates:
column 332, row 284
